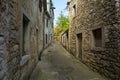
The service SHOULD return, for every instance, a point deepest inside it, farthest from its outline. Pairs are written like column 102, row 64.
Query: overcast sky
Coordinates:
column 60, row 5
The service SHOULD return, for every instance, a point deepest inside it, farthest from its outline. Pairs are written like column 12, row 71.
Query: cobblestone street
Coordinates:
column 58, row 64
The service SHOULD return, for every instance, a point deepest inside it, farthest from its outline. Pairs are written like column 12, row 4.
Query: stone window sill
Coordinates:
column 24, row 60
column 97, row 49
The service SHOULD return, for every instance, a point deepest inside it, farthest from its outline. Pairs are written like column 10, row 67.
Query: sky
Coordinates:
column 60, row 5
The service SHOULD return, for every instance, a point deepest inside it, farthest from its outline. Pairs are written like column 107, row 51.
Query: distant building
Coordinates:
column 21, row 37
column 94, row 34
column 48, row 22
column 65, row 39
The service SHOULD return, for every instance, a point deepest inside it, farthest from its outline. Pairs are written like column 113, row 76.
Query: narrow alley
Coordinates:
column 58, row 64
column 59, row 39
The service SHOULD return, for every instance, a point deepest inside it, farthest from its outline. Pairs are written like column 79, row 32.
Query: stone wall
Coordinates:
column 9, row 43
column 13, row 64
column 91, row 15
column 48, row 22
column 64, row 39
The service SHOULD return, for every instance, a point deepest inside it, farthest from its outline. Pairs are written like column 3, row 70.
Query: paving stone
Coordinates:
column 60, row 65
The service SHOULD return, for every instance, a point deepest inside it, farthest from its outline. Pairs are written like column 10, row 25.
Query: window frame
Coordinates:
column 74, row 10
column 93, row 46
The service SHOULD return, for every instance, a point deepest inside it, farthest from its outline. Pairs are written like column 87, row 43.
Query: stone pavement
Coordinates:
column 58, row 64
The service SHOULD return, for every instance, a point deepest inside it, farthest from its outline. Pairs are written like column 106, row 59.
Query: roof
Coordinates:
column 65, row 31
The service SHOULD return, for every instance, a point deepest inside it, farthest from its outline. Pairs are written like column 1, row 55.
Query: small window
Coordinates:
column 46, row 38
column 40, row 5
column 74, row 10
column 97, row 37
column 25, row 35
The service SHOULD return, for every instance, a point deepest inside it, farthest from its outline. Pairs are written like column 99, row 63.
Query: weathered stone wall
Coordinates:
column 64, row 40
column 3, row 37
column 9, row 42
column 29, row 10
column 13, row 64
column 91, row 15
column 72, row 41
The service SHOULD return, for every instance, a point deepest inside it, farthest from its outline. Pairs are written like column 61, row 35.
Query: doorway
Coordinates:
column 79, row 45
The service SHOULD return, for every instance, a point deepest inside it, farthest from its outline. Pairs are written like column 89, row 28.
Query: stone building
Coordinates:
column 21, row 37
column 48, row 22
column 94, row 34
column 64, row 39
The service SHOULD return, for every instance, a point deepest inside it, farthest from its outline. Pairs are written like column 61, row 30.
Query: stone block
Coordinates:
column 2, row 75
column 90, row 17
column 1, row 40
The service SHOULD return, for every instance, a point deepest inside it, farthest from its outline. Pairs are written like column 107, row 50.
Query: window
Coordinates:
column 74, row 10
column 46, row 38
column 25, row 35
column 40, row 5
column 97, row 37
